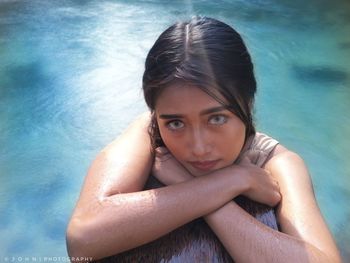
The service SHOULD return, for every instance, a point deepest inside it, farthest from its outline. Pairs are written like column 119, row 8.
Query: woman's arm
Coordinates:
column 122, row 166
column 113, row 214
column 305, row 236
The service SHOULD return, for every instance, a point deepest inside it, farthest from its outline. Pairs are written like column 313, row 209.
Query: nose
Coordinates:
column 199, row 143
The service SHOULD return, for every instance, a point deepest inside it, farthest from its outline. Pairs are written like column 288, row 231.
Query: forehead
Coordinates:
column 181, row 95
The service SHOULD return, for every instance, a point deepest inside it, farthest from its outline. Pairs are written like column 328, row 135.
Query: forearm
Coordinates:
column 248, row 240
column 123, row 221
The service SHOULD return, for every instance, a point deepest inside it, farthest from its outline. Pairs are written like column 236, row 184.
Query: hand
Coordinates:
column 262, row 186
column 167, row 169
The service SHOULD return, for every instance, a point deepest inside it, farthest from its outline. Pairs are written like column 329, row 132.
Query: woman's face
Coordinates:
column 199, row 131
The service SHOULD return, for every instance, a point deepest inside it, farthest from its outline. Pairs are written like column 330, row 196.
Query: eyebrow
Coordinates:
column 213, row 110
column 203, row 112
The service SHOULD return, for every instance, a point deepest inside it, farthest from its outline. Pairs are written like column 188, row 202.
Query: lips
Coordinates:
column 204, row 165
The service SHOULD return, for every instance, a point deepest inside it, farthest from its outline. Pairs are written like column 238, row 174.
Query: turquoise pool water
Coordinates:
column 70, row 82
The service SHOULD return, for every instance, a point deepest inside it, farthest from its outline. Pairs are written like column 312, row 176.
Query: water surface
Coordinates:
column 70, row 82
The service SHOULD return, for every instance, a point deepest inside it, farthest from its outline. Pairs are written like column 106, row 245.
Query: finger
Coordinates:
column 278, row 186
column 278, row 195
column 161, row 151
column 246, row 161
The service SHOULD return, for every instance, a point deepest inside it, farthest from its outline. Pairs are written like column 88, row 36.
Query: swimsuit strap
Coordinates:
column 258, row 149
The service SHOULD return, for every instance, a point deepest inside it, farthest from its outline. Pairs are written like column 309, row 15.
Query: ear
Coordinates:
column 154, row 132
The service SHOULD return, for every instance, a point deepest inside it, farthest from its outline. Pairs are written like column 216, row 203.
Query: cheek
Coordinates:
column 231, row 142
column 172, row 142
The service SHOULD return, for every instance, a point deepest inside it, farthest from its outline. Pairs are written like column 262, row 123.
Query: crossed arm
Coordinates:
column 113, row 214
column 305, row 236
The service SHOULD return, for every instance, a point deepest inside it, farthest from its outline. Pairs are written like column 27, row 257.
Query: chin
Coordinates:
column 194, row 172
column 198, row 173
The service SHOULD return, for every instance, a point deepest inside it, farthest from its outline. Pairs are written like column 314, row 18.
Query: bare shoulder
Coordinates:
column 138, row 126
column 123, row 165
column 298, row 212
column 281, row 156
column 291, row 172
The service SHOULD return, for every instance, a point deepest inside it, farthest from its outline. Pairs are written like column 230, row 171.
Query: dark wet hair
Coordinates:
column 206, row 53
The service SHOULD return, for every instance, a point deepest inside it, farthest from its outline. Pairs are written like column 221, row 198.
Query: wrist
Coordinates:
column 239, row 180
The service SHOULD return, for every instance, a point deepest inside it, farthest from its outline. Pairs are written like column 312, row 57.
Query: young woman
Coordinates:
column 226, row 193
